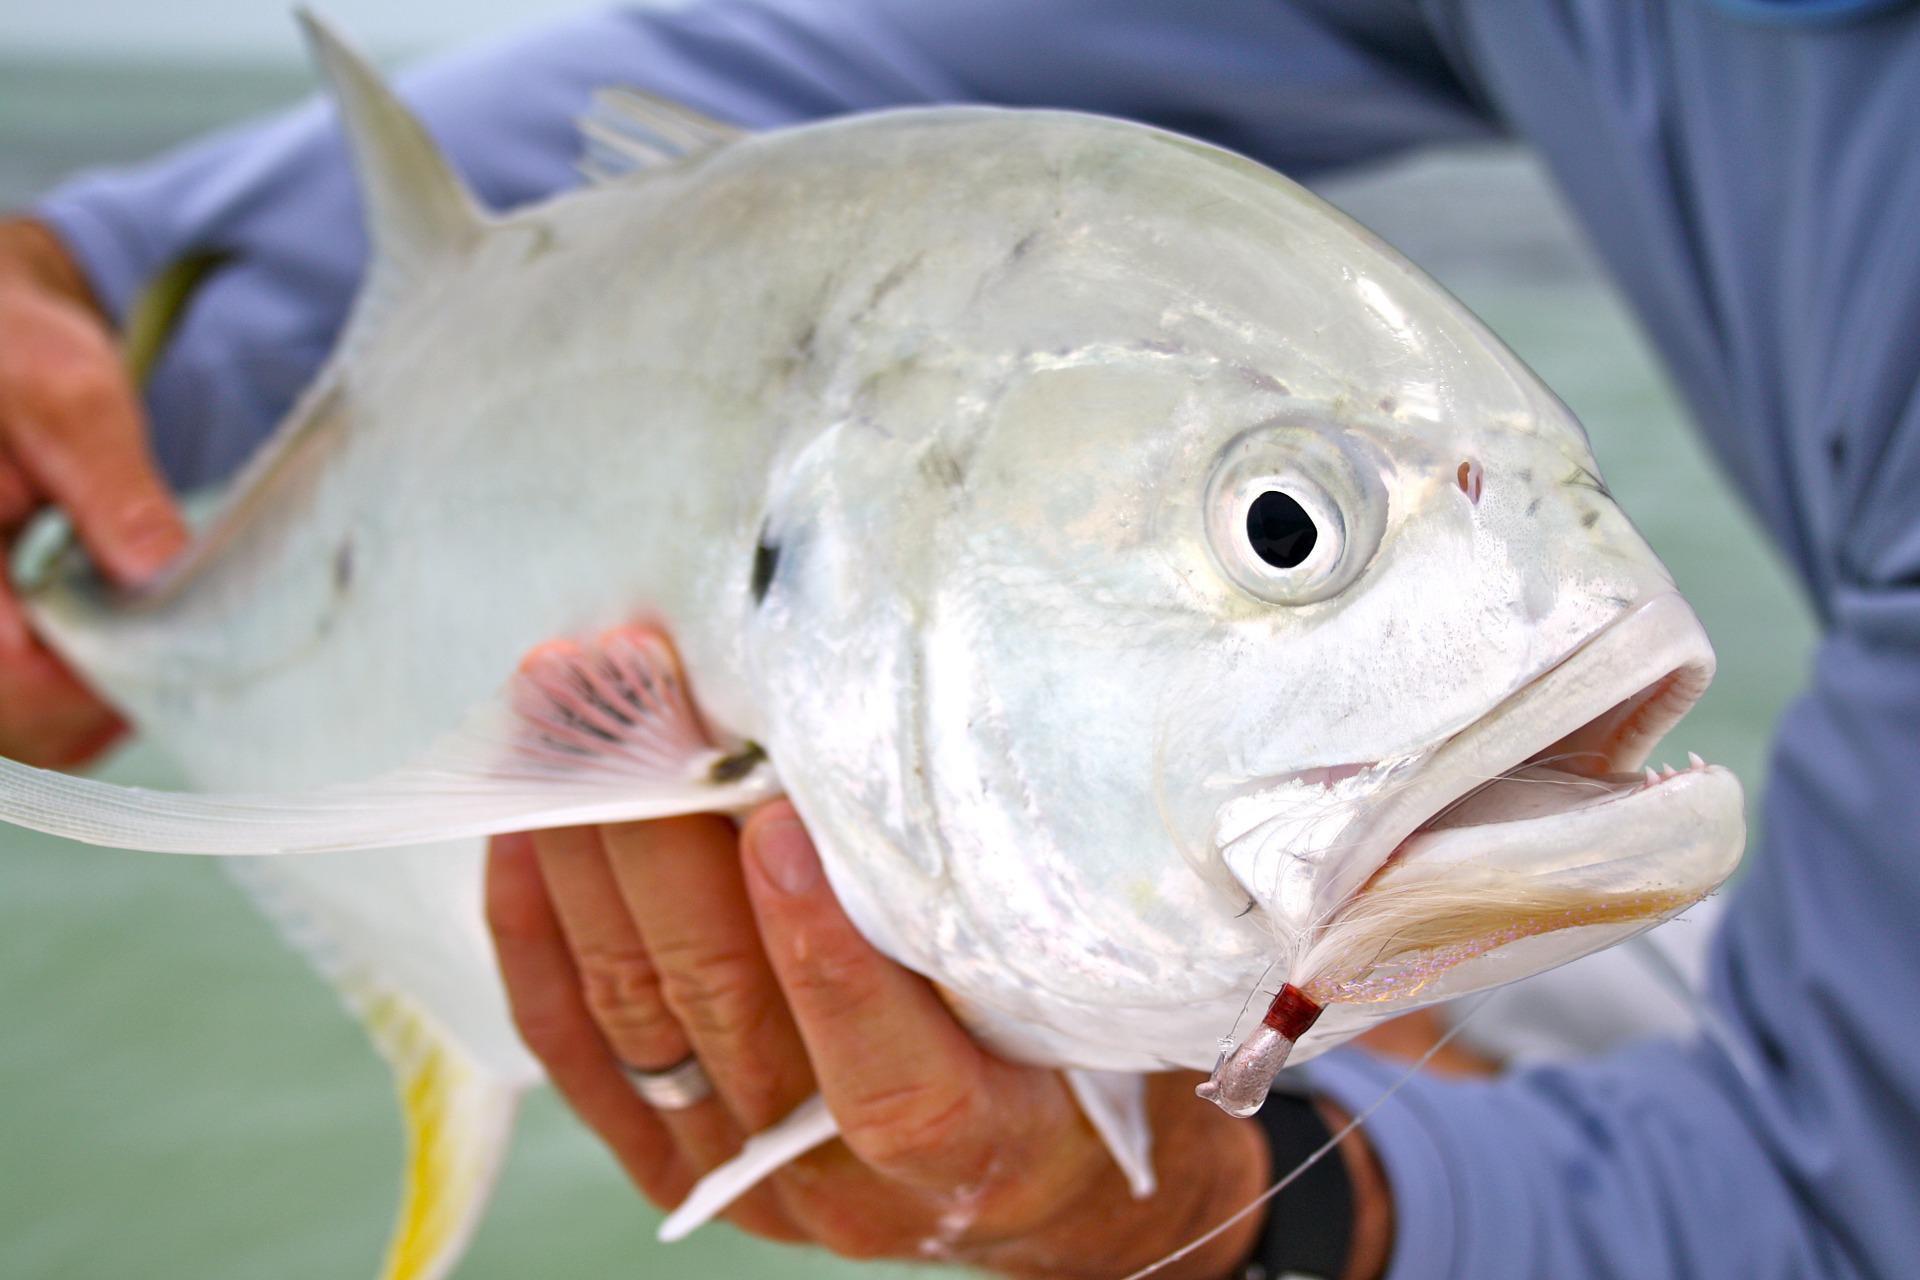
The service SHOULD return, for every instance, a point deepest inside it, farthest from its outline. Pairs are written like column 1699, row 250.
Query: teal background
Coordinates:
column 179, row 1097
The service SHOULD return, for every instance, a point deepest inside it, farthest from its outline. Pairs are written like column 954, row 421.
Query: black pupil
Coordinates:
column 1280, row 530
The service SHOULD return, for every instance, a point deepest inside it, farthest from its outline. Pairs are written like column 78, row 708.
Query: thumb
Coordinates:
column 70, row 418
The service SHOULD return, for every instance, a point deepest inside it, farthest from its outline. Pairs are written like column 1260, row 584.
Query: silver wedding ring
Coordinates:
column 673, row 1089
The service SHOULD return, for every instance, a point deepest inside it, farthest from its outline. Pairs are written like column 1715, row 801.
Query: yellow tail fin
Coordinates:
column 458, row 1117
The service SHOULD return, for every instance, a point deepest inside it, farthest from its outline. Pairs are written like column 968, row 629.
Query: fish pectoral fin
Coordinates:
column 626, row 131
column 458, row 1118
column 804, row 1128
column 1115, row 1103
column 603, row 731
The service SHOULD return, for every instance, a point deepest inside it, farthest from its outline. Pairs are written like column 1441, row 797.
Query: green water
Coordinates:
column 180, row 1098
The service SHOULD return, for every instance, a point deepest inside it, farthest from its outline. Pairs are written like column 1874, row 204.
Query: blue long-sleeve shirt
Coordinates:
column 1755, row 186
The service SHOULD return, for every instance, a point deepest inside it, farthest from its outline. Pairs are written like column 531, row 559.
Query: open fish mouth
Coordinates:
column 1529, row 839
column 1559, row 762
column 1539, row 820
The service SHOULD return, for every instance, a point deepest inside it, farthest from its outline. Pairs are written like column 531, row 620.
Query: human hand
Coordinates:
column 72, row 435
column 645, row 942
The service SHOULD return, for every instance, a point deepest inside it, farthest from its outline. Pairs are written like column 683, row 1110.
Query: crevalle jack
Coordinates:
column 1151, row 589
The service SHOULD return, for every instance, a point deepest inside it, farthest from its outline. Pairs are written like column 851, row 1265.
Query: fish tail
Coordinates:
column 458, row 1117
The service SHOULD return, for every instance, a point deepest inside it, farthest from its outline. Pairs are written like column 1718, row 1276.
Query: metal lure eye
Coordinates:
column 1292, row 514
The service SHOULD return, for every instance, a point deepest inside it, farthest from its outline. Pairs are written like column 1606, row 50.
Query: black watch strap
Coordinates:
column 1309, row 1226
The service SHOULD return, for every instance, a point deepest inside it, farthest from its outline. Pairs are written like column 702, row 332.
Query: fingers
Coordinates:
column 681, row 881
column 543, row 989
column 71, row 432
column 47, row 717
column 620, row 991
column 619, row 984
column 618, row 980
column 915, row 1097
column 74, row 429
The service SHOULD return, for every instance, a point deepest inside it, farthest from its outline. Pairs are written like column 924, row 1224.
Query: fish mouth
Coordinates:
column 1526, row 840
column 1534, row 828
column 1596, row 715
column 1571, row 735
column 1644, row 673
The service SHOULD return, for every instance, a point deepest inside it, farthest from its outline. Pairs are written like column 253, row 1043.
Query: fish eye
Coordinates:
column 1292, row 513
column 1280, row 530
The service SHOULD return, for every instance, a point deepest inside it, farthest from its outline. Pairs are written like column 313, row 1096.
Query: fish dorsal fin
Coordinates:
column 418, row 212
column 627, row 131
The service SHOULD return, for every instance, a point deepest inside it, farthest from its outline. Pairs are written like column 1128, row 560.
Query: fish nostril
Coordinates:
column 1470, row 480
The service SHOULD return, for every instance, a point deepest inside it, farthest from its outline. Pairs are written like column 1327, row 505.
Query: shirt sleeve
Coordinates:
column 1304, row 86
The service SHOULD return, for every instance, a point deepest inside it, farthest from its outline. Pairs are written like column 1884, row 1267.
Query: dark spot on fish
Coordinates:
column 540, row 243
column 1388, row 404
column 343, row 565
column 1265, row 382
column 803, row 344
column 1526, row 475
column 1837, row 451
column 938, row 464
column 1589, row 520
column 1533, row 508
column 766, row 560
column 738, row 765
column 887, row 283
column 1022, row 246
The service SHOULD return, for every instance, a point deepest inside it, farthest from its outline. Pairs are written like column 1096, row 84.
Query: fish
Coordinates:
column 1155, row 594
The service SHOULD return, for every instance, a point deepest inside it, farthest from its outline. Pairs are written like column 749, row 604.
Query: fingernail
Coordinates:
column 147, row 544
column 786, row 856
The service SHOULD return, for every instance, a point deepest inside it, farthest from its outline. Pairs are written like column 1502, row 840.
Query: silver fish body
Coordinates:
column 933, row 438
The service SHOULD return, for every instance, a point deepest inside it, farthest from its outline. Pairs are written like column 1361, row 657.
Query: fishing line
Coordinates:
column 1318, row 1153
column 1248, row 1004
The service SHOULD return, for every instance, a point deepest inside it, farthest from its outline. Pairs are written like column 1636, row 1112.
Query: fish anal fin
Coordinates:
column 628, row 131
column 458, row 1119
